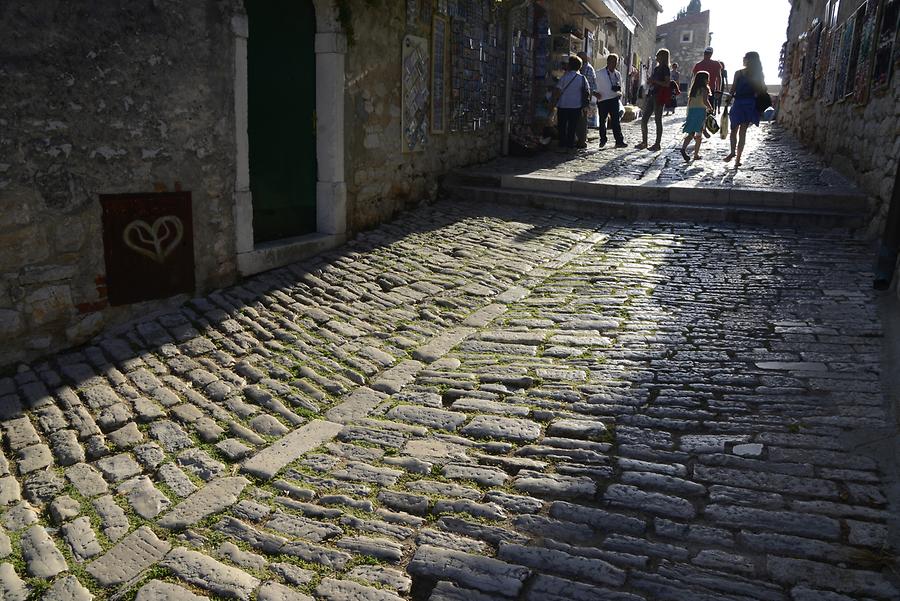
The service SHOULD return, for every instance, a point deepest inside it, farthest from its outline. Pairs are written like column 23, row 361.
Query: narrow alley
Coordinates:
column 342, row 300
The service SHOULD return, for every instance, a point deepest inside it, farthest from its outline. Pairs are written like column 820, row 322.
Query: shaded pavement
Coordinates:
column 471, row 404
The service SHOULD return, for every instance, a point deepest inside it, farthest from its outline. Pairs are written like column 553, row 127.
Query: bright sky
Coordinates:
column 739, row 26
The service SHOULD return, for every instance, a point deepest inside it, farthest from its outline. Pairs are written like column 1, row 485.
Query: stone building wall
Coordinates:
column 382, row 180
column 686, row 54
column 860, row 141
column 643, row 44
column 98, row 98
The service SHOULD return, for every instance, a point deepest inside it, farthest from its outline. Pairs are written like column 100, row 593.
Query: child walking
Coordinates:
column 698, row 106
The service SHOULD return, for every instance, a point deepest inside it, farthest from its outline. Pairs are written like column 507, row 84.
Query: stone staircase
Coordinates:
column 832, row 207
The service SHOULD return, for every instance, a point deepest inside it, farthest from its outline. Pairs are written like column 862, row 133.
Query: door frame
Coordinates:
column 331, row 188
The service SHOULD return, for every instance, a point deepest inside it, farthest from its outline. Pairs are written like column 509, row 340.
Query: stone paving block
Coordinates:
column 12, row 587
column 447, row 591
column 42, row 557
column 10, row 491
column 325, row 556
column 64, row 508
column 505, row 428
column 81, row 538
column 442, row 344
column 552, row 588
column 132, row 555
column 383, row 577
column 200, row 570
column 428, row 416
column 471, row 571
column 394, row 379
column 355, row 405
column 379, row 548
column 67, row 588
column 212, row 498
column 118, row 467
column 5, row 544
column 157, row 590
column 245, row 559
column 272, row 459
column 331, row 589
column 272, row 591
column 147, row 501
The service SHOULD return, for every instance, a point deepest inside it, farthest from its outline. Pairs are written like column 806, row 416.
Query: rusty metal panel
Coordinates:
column 148, row 244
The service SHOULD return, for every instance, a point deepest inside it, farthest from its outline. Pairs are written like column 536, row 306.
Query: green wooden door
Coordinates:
column 281, row 74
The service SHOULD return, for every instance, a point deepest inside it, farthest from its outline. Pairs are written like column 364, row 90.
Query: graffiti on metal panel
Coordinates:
column 156, row 241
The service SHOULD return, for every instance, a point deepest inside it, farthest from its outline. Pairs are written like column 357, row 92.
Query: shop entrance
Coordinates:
column 281, row 90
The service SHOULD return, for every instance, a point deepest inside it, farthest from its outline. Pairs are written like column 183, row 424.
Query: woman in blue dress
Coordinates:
column 749, row 82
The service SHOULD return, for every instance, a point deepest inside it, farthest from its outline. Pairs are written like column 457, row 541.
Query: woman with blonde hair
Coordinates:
column 657, row 98
column 698, row 108
column 748, row 83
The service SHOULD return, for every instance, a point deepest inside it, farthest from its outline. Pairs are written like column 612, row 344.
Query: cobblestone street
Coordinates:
column 471, row 404
column 773, row 159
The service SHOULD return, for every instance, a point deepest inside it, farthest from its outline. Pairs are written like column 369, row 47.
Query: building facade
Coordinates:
column 154, row 151
column 686, row 37
column 841, row 90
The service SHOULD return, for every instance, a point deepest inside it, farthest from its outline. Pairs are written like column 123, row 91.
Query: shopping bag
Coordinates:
column 711, row 124
column 723, row 124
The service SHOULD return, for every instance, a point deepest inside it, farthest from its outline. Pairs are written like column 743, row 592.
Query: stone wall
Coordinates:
column 686, row 54
column 644, row 43
column 860, row 141
column 382, row 180
column 96, row 98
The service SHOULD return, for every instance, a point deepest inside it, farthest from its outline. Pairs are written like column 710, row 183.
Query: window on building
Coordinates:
column 687, row 37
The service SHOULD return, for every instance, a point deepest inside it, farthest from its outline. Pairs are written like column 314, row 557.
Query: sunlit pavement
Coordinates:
column 471, row 404
column 773, row 159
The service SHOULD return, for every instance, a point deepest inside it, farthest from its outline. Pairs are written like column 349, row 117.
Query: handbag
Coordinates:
column 711, row 124
column 763, row 101
column 723, row 124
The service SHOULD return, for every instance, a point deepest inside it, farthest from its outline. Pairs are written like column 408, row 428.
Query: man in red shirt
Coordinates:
column 714, row 68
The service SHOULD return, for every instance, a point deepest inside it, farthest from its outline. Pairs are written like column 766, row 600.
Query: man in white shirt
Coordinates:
column 608, row 93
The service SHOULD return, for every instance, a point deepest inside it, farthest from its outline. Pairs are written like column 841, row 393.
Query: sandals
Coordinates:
column 654, row 148
column 641, row 145
column 687, row 157
column 729, row 157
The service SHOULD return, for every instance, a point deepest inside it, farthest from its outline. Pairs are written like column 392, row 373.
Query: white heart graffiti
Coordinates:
column 155, row 241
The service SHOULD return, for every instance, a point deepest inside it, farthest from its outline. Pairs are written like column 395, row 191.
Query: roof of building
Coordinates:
column 687, row 20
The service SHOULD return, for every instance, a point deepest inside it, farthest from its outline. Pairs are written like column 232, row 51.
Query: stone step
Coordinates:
column 844, row 208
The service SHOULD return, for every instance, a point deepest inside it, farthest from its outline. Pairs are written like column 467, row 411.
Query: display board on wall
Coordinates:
column 843, row 62
column 857, row 18
column 478, row 59
column 833, row 58
column 810, row 59
column 438, row 74
column 886, row 46
column 865, row 53
column 414, row 114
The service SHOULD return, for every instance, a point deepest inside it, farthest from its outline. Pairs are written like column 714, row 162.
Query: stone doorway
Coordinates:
column 281, row 83
column 310, row 48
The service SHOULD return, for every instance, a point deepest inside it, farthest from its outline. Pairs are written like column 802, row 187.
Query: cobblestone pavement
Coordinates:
column 465, row 406
column 773, row 159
